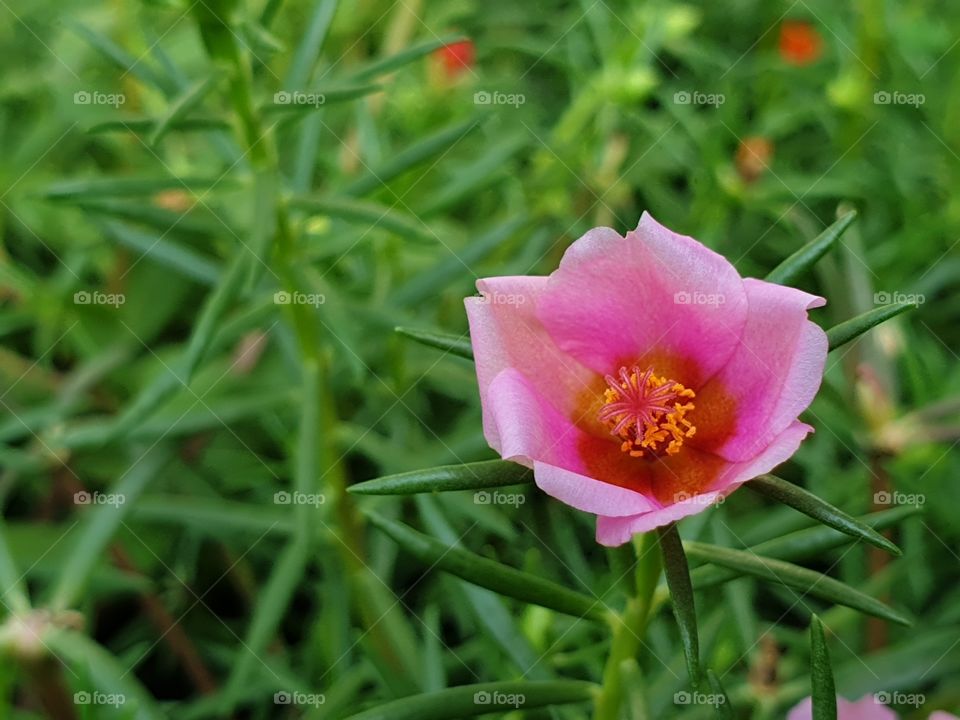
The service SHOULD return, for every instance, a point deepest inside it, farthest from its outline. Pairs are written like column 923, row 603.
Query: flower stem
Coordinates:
column 628, row 628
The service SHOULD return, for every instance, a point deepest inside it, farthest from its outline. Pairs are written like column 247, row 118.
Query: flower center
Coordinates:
column 647, row 412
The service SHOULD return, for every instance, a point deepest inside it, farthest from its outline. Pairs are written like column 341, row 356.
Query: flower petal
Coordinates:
column 589, row 495
column 534, row 433
column 771, row 377
column 866, row 708
column 613, row 531
column 505, row 332
column 651, row 294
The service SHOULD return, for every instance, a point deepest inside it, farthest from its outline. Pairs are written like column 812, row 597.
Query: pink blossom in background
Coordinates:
column 869, row 707
column 866, row 708
column 644, row 379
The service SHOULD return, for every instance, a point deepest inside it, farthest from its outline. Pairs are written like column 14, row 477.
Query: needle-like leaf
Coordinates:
column 467, row 476
column 681, row 593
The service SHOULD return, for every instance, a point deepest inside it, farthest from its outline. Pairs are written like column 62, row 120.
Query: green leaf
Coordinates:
column 395, row 62
column 181, row 107
column 465, row 476
column 289, row 569
column 104, row 672
column 368, row 215
column 176, row 378
column 121, row 59
column 823, row 695
column 272, row 601
column 436, row 144
column 681, row 593
column 214, row 516
column 454, row 344
column 793, row 576
column 192, row 225
column 492, row 612
column 490, row 574
column 142, row 126
column 810, row 542
column 310, row 440
column 105, row 187
column 807, row 256
column 854, row 327
column 311, row 43
column 14, row 595
column 270, row 10
column 471, row 178
column 101, row 523
column 722, row 700
column 481, row 699
column 287, row 102
column 263, row 225
column 455, row 264
column 809, row 504
column 159, row 249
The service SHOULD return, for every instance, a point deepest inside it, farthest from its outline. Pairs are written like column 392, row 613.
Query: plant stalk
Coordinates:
column 628, row 628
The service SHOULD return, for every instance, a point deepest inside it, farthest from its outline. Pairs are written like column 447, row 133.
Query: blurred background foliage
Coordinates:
column 148, row 158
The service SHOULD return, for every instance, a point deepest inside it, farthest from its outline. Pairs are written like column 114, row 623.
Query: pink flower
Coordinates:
column 866, row 708
column 644, row 379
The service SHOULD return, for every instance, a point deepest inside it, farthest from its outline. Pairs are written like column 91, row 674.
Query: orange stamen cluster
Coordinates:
column 647, row 412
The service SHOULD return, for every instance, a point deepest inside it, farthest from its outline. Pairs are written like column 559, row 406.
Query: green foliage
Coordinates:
column 823, row 693
column 681, row 595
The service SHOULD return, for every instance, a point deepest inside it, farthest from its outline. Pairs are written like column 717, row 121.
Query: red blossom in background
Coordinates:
column 800, row 43
column 457, row 58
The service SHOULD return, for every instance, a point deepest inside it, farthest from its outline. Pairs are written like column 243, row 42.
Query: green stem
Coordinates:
column 628, row 628
column 318, row 454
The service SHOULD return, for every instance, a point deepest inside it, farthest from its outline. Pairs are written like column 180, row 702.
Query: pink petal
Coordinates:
column 772, row 376
column 534, row 433
column 653, row 296
column 589, row 495
column 613, row 531
column 866, row 708
column 505, row 332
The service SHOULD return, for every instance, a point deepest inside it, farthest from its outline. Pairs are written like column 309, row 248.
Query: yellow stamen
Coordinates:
column 647, row 412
